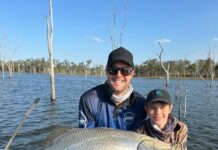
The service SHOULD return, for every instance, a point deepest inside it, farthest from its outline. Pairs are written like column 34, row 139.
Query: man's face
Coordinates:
column 119, row 80
column 159, row 113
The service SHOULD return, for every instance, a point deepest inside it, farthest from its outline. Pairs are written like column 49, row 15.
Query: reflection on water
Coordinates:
column 17, row 95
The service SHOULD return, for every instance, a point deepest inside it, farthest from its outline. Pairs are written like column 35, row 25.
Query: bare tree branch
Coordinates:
column 162, row 65
column 124, row 24
column 114, row 42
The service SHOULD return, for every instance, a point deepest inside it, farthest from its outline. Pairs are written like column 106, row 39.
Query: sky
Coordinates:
column 83, row 29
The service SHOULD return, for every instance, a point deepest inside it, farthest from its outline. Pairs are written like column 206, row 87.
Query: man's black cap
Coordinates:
column 120, row 54
column 158, row 95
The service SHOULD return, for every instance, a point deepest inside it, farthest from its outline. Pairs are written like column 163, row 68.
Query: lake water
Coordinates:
column 18, row 94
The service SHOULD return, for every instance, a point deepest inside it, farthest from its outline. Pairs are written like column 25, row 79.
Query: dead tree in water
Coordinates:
column 9, row 62
column 2, row 58
column 10, row 65
column 50, row 50
column 181, row 98
column 211, row 70
column 86, row 68
column 161, row 62
column 2, row 61
column 114, row 42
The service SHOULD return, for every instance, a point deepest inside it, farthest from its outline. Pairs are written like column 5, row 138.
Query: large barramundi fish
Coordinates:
column 103, row 139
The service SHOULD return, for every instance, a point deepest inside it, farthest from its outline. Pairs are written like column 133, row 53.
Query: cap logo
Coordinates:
column 159, row 93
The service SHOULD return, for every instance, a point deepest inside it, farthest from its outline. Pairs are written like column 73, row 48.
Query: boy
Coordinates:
column 160, row 123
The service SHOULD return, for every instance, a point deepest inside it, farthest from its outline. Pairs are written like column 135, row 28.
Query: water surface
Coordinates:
column 18, row 94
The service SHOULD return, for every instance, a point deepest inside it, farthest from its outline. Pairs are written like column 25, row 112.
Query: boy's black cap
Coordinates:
column 158, row 95
column 120, row 54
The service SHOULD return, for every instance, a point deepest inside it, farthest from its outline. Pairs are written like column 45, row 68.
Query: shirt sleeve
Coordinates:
column 182, row 134
column 86, row 119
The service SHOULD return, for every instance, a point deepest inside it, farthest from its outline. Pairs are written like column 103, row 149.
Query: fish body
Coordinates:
column 104, row 139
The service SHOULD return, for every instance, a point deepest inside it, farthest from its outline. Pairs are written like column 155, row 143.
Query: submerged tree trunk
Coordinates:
column 3, row 69
column 10, row 68
column 50, row 50
column 181, row 98
column 211, row 68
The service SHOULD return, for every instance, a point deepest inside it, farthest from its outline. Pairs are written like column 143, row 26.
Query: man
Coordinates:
column 113, row 104
column 159, row 123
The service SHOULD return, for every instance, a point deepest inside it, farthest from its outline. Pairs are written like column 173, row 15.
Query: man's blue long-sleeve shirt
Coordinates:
column 97, row 110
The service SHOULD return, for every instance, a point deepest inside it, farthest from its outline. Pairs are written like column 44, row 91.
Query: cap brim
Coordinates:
column 157, row 100
column 121, row 60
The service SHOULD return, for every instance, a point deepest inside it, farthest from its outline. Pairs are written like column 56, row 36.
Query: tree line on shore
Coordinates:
column 149, row 68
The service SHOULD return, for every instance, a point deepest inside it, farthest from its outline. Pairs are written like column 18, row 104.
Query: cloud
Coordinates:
column 95, row 39
column 215, row 39
column 162, row 41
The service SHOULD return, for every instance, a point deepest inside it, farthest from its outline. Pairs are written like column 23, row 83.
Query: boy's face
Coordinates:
column 159, row 112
